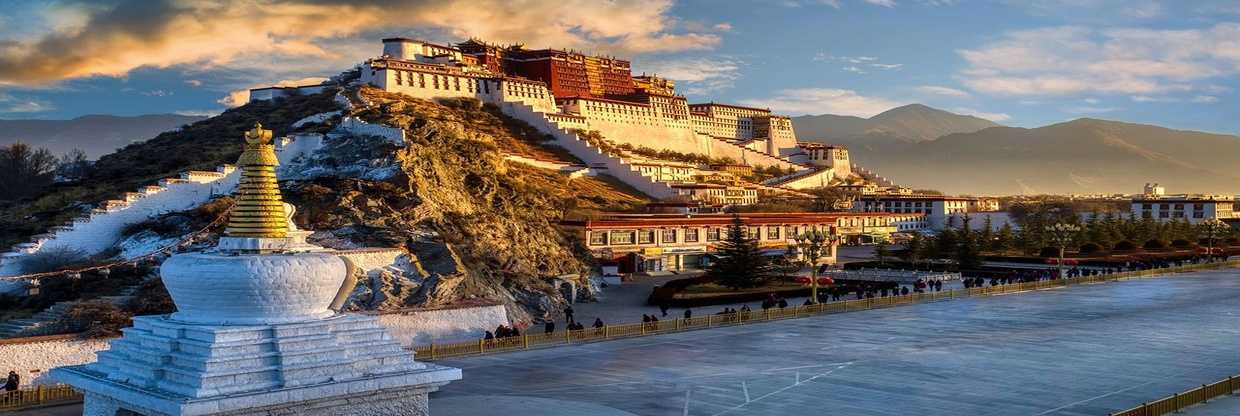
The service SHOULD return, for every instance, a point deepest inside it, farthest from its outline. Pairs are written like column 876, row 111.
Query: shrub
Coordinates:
column 1233, row 241
column 1181, row 243
column 95, row 319
column 1125, row 246
column 1154, row 244
column 1090, row 248
column 1049, row 252
column 51, row 259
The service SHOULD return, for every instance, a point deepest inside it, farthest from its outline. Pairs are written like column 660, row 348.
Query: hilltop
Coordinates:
column 910, row 123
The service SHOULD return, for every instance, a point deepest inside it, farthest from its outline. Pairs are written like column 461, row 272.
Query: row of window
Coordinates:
column 1169, row 214
column 689, row 235
column 1196, row 207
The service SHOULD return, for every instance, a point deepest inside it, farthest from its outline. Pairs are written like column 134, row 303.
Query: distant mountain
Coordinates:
column 1079, row 156
column 95, row 134
column 910, row 123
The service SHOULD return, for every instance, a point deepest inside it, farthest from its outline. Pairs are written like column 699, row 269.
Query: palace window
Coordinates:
column 669, row 236
column 622, row 237
column 712, row 234
column 753, row 232
column 645, row 237
column 772, row 232
column 1199, row 214
column 598, row 238
column 691, row 235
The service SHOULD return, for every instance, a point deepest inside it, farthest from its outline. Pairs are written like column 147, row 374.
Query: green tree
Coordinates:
column 1004, row 239
column 740, row 264
column 967, row 253
column 945, row 244
column 986, row 237
column 881, row 251
column 914, row 248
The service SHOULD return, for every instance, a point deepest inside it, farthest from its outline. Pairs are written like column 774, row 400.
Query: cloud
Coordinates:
column 996, row 117
column 193, row 83
column 1079, row 60
column 239, row 97
column 884, row 3
column 198, row 113
column 10, row 104
column 157, row 93
column 115, row 38
column 697, row 76
column 1149, row 99
column 944, row 91
column 824, row 101
column 887, row 66
column 854, row 69
column 1205, row 99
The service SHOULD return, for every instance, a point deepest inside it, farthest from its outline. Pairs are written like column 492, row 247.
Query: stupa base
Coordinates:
column 342, row 365
column 354, row 398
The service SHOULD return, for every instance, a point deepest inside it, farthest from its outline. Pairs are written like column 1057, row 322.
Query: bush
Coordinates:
column 1049, row 252
column 1181, row 243
column 1233, row 241
column 1125, row 246
column 1090, row 248
column 95, row 319
column 52, row 259
column 1154, row 244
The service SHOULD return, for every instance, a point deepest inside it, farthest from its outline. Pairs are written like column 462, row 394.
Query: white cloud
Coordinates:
column 193, row 83
column 854, row 69
column 944, row 91
column 1079, row 60
column 239, row 97
column 200, row 113
column 114, row 39
column 887, row 66
column 884, row 3
column 696, row 76
column 996, row 117
column 1205, row 99
column 824, row 101
column 1149, row 99
column 10, row 104
column 157, row 93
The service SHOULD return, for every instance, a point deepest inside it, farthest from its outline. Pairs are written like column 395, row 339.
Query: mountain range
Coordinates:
column 923, row 147
column 96, row 135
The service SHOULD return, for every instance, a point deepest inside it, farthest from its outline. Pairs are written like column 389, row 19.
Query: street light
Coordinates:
column 1061, row 235
column 811, row 245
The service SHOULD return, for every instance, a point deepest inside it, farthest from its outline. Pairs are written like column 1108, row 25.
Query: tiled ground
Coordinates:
column 1086, row 350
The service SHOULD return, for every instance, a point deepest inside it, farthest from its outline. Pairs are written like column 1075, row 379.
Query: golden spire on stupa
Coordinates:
column 259, row 211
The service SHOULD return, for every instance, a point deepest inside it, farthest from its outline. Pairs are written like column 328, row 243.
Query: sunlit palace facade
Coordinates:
column 647, row 243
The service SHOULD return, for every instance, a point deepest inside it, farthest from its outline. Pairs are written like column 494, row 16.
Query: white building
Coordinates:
column 1191, row 208
column 940, row 211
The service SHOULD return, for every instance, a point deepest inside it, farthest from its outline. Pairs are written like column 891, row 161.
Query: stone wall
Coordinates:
column 421, row 327
column 32, row 357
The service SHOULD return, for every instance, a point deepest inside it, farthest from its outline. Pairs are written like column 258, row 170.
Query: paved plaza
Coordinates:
column 1085, row 350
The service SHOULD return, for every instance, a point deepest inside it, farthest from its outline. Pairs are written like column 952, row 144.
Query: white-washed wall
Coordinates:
column 32, row 360
column 357, row 127
column 421, row 327
column 102, row 227
column 372, row 259
column 592, row 156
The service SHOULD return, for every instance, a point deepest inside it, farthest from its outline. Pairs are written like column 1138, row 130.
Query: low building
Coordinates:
column 716, row 194
column 1191, row 208
column 940, row 211
column 647, row 243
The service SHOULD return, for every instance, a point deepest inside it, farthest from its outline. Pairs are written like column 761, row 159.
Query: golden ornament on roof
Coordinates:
column 259, row 211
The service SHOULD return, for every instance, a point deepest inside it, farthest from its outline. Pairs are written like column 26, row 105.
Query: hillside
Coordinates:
column 477, row 226
column 1079, row 156
column 910, row 123
column 96, row 135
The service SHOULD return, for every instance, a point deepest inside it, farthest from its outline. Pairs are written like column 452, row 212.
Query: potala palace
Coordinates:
column 576, row 97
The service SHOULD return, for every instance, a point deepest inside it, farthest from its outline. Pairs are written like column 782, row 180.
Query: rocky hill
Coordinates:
column 96, row 135
column 478, row 227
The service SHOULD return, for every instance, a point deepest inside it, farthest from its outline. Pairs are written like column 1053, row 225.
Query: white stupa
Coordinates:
column 257, row 329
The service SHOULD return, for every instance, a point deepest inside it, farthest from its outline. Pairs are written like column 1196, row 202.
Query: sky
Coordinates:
column 1022, row 63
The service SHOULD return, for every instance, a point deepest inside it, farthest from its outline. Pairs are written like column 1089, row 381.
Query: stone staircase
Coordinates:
column 44, row 321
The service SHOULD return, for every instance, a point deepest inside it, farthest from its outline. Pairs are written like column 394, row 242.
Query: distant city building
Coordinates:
column 1191, row 208
column 648, row 243
column 1154, row 190
column 940, row 211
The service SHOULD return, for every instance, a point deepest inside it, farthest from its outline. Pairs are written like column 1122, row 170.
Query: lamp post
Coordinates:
column 812, row 244
column 1061, row 235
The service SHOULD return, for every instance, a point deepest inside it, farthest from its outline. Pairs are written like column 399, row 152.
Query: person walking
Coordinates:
column 688, row 314
column 568, row 313
column 12, row 382
column 549, row 327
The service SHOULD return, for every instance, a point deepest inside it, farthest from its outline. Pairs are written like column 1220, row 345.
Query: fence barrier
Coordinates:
column 1178, row 401
column 38, row 396
column 434, row 351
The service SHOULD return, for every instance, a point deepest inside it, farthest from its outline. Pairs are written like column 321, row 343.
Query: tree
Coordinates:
column 74, row 165
column 787, row 264
column 829, row 199
column 1211, row 230
column 881, row 250
column 24, row 171
column 914, row 248
column 986, row 237
column 945, row 244
column 1062, row 235
column 740, row 265
column 1003, row 239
